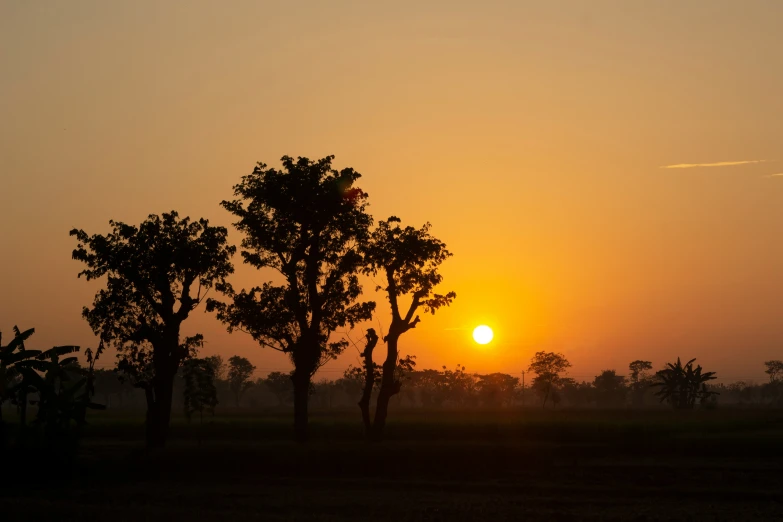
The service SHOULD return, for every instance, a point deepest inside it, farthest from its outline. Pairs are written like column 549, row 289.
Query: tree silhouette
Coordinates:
column 609, row 389
column 281, row 386
column 370, row 368
column 218, row 366
column 64, row 390
column 408, row 259
column 239, row 372
column 682, row 385
column 13, row 385
column 639, row 380
column 497, row 389
column 460, row 388
column 774, row 370
column 547, row 366
column 305, row 221
column 200, row 392
column 152, row 272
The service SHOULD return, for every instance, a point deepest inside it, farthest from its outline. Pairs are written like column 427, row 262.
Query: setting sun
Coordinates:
column 482, row 334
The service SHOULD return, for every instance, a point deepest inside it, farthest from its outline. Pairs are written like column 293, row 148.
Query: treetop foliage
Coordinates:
column 306, row 221
column 409, row 259
column 149, row 269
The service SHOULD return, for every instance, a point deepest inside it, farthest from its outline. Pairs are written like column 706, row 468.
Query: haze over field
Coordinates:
column 608, row 176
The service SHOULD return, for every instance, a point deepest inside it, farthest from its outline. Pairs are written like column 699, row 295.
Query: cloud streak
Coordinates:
column 779, row 174
column 718, row 164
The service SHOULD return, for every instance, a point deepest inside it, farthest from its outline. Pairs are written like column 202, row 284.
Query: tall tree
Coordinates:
column 409, row 260
column 239, row 372
column 547, row 366
column 156, row 273
column 305, row 221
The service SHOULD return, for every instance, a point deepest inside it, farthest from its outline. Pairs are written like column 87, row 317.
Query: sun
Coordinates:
column 482, row 334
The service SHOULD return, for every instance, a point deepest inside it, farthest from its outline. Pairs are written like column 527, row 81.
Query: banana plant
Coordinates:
column 682, row 385
column 13, row 386
column 64, row 389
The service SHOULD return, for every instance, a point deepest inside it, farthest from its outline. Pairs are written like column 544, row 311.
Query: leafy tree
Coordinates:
column 640, row 380
column 326, row 390
column 639, row 370
column 461, row 388
column 610, row 389
column 576, row 394
column 352, row 382
column 497, row 389
column 547, row 366
column 218, row 366
column 200, row 392
column 774, row 370
column 305, row 221
column 152, row 273
column 409, row 260
column 433, row 387
column 682, row 385
column 108, row 384
column 239, row 373
column 281, row 386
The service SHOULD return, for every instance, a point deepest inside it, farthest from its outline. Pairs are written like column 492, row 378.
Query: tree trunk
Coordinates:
column 159, row 410
column 301, row 381
column 389, row 386
column 369, row 382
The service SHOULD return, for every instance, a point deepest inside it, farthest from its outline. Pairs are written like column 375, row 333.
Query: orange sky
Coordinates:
column 531, row 134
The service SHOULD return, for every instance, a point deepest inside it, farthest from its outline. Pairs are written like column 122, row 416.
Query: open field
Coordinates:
column 510, row 465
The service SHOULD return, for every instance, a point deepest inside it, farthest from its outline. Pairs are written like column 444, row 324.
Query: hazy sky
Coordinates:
column 533, row 135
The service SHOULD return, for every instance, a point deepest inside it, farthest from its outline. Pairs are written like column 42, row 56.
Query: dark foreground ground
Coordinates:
column 450, row 466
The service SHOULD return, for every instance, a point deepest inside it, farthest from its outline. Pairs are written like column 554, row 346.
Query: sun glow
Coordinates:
column 483, row 334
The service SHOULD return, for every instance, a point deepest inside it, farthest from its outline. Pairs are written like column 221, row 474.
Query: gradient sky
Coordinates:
column 533, row 135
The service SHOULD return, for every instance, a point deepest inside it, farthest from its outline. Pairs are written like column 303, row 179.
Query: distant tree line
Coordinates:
column 231, row 385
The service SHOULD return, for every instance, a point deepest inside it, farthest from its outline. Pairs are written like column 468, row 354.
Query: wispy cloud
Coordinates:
column 779, row 174
column 718, row 164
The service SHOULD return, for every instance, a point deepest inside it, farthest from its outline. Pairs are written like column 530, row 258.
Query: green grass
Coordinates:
column 497, row 465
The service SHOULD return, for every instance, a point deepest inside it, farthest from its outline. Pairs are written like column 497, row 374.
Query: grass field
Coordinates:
column 504, row 465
